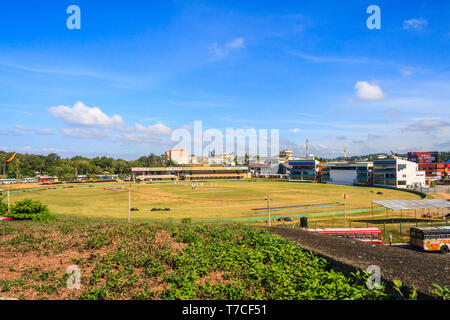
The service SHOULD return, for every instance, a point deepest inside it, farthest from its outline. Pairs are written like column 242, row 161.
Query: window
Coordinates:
column 375, row 236
column 367, row 236
column 359, row 236
column 341, row 235
column 350, row 236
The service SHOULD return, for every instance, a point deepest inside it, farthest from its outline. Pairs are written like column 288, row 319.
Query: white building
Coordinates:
column 397, row 173
column 179, row 156
column 346, row 173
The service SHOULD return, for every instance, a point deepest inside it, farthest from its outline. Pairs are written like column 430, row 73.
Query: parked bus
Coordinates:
column 8, row 181
column 370, row 235
column 431, row 238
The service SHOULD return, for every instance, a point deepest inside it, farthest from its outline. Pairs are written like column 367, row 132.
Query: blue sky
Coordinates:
column 138, row 70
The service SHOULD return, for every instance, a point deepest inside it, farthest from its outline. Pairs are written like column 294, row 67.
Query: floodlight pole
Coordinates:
column 129, row 203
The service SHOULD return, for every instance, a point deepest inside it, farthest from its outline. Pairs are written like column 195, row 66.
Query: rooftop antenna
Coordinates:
column 307, row 148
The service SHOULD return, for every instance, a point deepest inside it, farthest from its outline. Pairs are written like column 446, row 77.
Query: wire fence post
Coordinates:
column 372, row 209
column 129, row 203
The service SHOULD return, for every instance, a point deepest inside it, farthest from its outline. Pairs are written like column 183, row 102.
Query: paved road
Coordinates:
column 413, row 268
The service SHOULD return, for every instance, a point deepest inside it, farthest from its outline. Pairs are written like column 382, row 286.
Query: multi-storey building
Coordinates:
column 347, row 173
column 397, row 173
column 303, row 170
column 433, row 171
column 189, row 173
column 179, row 156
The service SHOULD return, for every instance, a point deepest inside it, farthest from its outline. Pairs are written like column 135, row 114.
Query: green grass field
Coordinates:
column 211, row 201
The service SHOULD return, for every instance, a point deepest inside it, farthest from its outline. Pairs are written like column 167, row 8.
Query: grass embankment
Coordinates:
column 148, row 261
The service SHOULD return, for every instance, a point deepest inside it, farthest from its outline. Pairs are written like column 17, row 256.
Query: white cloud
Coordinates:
column 406, row 72
column 83, row 133
column 391, row 113
column 416, row 24
column 427, row 125
column 158, row 129
column 21, row 128
column 237, row 43
column 45, row 131
column 142, row 138
column 219, row 52
column 368, row 91
column 82, row 115
column 295, row 130
column 28, row 149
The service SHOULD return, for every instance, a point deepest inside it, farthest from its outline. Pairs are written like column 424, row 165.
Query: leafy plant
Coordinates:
column 29, row 209
column 3, row 207
column 443, row 293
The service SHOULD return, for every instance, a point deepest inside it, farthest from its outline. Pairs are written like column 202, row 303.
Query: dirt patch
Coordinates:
column 31, row 269
column 445, row 195
column 214, row 278
column 210, row 191
column 164, row 238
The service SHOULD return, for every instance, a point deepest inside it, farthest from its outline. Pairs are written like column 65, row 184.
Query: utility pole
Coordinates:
column 129, row 203
column 268, row 207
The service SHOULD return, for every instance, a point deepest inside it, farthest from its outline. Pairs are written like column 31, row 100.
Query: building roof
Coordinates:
column 413, row 204
column 146, row 169
column 260, row 165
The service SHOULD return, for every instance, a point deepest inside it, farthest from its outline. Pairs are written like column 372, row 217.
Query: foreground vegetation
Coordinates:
column 148, row 261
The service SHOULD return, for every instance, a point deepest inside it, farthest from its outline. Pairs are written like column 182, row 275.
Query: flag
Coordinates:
column 393, row 155
column 12, row 158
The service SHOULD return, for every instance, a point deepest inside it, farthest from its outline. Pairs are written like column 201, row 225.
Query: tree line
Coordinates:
column 30, row 165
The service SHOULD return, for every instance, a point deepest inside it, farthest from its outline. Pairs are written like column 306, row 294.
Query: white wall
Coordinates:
column 411, row 174
column 342, row 176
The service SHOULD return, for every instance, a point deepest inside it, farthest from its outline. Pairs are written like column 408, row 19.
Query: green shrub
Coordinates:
column 186, row 220
column 28, row 209
column 3, row 208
